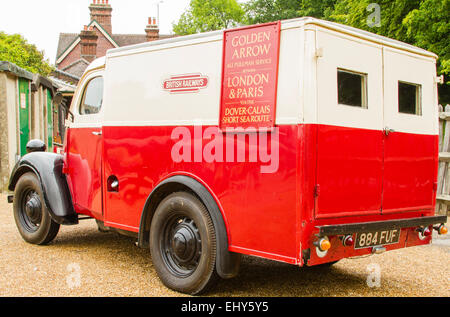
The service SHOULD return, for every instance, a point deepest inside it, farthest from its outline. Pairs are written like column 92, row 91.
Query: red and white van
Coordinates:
column 302, row 141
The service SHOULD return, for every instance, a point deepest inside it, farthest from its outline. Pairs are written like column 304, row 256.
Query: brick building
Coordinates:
column 77, row 51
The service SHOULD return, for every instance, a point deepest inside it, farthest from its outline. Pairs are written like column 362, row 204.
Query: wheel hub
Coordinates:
column 182, row 246
column 184, row 243
column 33, row 208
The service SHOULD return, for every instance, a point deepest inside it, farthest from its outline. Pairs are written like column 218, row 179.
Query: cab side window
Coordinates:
column 92, row 97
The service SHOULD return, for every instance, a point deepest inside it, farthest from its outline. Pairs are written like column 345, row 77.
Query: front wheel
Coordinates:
column 183, row 244
column 30, row 213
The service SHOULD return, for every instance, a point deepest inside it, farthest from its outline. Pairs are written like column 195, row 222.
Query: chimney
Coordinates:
column 101, row 12
column 152, row 30
column 88, row 43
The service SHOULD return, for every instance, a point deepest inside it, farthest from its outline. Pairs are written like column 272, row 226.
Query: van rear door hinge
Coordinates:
column 317, row 190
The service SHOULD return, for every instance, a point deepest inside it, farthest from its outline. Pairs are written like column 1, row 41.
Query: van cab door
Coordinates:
column 411, row 132
column 85, row 147
column 349, row 127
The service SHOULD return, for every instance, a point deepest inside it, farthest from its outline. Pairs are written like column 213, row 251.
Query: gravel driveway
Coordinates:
column 81, row 261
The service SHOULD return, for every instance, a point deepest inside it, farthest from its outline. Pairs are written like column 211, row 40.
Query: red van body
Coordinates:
column 327, row 175
column 345, row 176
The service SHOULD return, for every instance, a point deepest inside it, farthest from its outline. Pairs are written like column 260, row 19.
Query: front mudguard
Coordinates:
column 48, row 169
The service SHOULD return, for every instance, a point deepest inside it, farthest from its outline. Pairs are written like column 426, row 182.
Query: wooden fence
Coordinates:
column 443, row 189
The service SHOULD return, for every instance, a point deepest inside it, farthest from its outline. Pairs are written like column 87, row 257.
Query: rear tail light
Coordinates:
column 441, row 229
column 348, row 241
column 423, row 232
column 427, row 232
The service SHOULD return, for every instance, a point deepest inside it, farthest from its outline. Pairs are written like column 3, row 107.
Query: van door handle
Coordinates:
column 115, row 184
column 388, row 130
column 97, row 133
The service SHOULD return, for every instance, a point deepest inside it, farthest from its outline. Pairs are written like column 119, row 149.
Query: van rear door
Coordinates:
column 350, row 126
column 411, row 132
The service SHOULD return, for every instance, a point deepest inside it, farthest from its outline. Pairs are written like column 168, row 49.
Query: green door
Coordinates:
column 24, row 115
column 49, row 121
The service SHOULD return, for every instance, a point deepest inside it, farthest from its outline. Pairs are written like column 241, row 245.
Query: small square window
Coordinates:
column 352, row 88
column 409, row 98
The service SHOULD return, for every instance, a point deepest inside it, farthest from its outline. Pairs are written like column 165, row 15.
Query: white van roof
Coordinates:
column 99, row 62
column 298, row 22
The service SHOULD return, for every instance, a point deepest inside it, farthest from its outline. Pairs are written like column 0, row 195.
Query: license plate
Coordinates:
column 376, row 238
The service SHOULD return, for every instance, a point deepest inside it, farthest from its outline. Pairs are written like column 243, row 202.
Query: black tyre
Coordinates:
column 183, row 244
column 30, row 213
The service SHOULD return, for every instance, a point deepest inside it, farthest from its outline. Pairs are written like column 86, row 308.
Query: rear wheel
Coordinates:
column 183, row 244
column 30, row 213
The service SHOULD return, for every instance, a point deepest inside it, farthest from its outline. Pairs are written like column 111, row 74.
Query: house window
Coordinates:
column 409, row 98
column 352, row 88
column 93, row 97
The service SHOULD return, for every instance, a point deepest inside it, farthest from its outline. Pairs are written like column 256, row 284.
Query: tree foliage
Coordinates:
column 429, row 27
column 356, row 12
column 318, row 9
column 261, row 11
column 209, row 15
column 16, row 49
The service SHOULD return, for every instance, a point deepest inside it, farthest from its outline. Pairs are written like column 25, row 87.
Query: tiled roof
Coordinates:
column 72, row 76
column 65, row 39
column 131, row 39
column 62, row 85
column 77, row 68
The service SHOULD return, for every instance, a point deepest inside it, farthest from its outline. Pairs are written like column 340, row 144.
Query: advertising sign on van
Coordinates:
column 249, row 77
column 185, row 83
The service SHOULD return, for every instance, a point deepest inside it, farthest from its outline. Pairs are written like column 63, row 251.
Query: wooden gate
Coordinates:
column 443, row 189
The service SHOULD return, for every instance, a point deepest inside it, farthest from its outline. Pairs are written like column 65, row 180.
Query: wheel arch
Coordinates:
column 18, row 171
column 48, row 169
column 227, row 263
